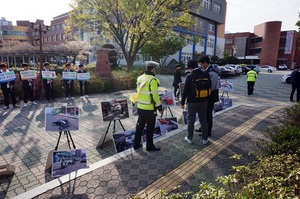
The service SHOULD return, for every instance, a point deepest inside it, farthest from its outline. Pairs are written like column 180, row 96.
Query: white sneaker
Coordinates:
column 67, row 98
column 6, row 107
column 86, row 96
column 205, row 142
column 72, row 98
column 25, row 105
column 81, row 96
column 34, row 103
column 188, row 140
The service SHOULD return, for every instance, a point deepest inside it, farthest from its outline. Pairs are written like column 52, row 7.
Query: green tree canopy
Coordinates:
column 131, row 23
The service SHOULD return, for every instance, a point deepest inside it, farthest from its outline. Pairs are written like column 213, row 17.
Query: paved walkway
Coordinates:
column 25, row 144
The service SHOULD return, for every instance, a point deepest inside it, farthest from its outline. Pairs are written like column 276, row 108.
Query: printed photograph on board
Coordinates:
column 67, row 161
column 114, row 110
column 167, row 98
column 64, row 118
column 226, row 86
column 167, row 124
column 125, row 140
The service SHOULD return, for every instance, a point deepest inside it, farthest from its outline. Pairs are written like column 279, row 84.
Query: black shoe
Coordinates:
column 153, row 149
column 291, row 100
column 200, row 134
column 137, row 147
column 54, row 100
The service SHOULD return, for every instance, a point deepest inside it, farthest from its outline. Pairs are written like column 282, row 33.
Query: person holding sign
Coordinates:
column 69, row 82
column 48, row 82
column 8, row 88
column 82, row 83
column 27, row 78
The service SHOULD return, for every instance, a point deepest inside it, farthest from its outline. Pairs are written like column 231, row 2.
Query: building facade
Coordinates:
column 267, row 45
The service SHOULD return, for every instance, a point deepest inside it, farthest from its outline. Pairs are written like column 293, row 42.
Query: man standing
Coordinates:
column 251, row 77
column 196, row 103
column 69, row 84
column 295, row 83
column 82, row 83
column 48, row 84
column 8, row 89
column 28, row 86
column 148, row 102
column 214, row 97
column 176, row 81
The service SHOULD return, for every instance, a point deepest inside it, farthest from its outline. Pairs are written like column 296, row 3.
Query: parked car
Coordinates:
column 287, row 78
column 256, row 68
column 245, row 70
column 237, row 69
column 282, row 67
column 226, row 72
column 217, row 69
column 267, row 68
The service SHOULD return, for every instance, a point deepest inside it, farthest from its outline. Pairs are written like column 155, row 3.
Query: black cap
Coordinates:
column 46, row 64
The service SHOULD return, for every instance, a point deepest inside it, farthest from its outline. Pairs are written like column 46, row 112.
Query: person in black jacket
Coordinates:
column 176, row 81
column 82, row 83
column 69, row 84
column 48, row 84
column 194, row 105
column 204, row 62
column 28, row 87
column 295, row 84
column 8, row 89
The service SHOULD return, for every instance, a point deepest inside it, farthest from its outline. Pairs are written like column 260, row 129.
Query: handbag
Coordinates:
column 218, row 106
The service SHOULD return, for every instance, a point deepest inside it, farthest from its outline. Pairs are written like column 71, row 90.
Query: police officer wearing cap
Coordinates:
column 148, row 102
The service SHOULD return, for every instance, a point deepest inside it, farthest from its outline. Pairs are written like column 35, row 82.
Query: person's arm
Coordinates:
column 155, row 96
column 186, row 90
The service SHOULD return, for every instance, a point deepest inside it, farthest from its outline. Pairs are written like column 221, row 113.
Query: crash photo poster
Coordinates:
column 64, row 118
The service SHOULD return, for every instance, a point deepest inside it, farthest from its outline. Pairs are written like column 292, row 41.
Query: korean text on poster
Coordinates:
column 7, row 76
column 69, row 75
column 30, row 74
column 83, row 76
column 48, row 75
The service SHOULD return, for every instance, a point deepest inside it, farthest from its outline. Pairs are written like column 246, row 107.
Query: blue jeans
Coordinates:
column 201, row 109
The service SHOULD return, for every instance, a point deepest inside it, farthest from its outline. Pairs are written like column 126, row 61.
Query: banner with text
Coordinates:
column 83, row 76
column 29, row 74
column 48, row 75
column 7, row 76
column 69, row 75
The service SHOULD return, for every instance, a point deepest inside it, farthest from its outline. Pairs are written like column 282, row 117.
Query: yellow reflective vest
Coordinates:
column 148, row 97
column 251, row 76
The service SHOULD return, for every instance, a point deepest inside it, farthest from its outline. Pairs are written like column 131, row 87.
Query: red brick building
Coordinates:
column 267, row 45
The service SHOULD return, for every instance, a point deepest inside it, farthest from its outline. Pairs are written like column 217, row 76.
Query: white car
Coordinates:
column 267, row 68
column 287, row 78
column 282, row 67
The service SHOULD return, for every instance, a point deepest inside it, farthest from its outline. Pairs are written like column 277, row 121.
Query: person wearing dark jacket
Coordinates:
column 69, row 84
column 82, row 83
column 176, row 81
column 194, row 105
column 214, row 97
column 8, row 89
column 48, row 84
column 295, row 84
column 28, row 86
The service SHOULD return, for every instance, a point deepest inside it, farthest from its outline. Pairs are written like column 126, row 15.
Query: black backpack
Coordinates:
column 201, row 85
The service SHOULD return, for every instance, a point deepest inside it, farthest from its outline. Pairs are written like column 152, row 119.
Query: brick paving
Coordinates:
column 25, row 144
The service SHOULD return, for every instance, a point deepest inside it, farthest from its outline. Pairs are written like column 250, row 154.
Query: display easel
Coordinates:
column 69, row 137
column 114, row 130
column 62, row 147
column 165, row 112
column 226, row 93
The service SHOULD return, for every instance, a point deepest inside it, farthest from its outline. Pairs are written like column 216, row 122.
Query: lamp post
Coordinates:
column 40, row 28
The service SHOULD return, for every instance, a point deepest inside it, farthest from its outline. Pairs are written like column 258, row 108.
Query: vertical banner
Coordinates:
column 288, row 42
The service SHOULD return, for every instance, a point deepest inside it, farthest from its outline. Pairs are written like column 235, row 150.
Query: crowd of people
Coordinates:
column 8, row 87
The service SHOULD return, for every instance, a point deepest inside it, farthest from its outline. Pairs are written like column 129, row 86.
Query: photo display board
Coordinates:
column 115, row 110
column 64, row 118
column 67, row 161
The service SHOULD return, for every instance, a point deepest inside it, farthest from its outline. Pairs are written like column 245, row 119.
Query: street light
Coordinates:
column 40, row 28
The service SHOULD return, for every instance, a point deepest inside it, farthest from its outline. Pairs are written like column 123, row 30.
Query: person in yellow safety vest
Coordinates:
column 148, row 102
column 251, row 77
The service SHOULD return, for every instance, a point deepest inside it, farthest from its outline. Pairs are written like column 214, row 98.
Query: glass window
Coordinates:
column 228, row 41
column 211, row 27
column 207, row 4
column 210, row 43
column 217, row 8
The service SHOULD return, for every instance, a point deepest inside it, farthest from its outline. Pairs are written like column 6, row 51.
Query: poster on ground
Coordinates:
column 64, row 118
column 115, row 110
column 167, row 125
column 67, row 161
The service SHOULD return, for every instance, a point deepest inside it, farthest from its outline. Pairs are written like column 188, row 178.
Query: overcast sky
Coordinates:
column 242, row 15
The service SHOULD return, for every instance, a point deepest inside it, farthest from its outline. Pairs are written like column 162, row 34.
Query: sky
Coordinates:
column 241, row 16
